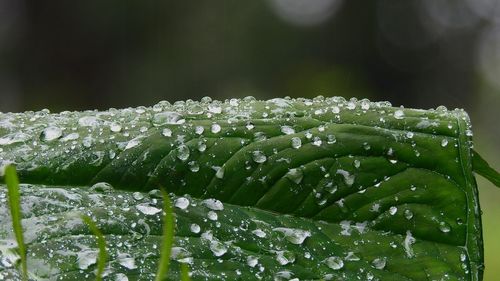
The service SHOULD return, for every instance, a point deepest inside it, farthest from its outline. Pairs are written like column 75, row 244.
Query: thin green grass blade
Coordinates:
column 185, row 272
column 101, row 243
column 482, row 167
column 168, row 238
column 12, row 182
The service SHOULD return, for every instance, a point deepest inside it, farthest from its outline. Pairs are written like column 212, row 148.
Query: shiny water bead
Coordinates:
column 296, row 142
column 335, row 263
column 216, row 128
column 399, row 114
column 183, row 152
column 259, row 157
column 287, row 130
column 51, row 133
column 379, row 263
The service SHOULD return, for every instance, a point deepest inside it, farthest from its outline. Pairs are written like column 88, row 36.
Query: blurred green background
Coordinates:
column 73, row 55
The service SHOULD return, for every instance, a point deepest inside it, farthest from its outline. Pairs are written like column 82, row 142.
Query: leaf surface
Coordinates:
column 374, row 192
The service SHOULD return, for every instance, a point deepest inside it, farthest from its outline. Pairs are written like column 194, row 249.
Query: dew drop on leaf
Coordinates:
column 195, row 228
column 444, row 142
column 167, row 132
column 181, row 203
column 399, row 114
column 217, row 248
column 213, row 204
column 393, row 210
column 216, row 128
column 444, row 227
column 252, row 261
column 182, row 152
column 115, row 127
column 379, row 263
column 287, row 130
column 295, row 175
column 167, row 117
column 259, row 156
column 334, row 263
column 296, row 142
column 51, row 133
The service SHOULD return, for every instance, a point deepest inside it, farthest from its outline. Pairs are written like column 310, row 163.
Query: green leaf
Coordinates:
column 483, row 168
column 310, row 189
column 168, row 238
column 101, row 243
column 12, row 183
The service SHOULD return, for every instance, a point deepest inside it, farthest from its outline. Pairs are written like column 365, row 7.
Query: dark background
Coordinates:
column 74, row 55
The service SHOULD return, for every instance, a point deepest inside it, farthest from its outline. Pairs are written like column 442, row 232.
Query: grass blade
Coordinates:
column 484, row 169
column 12, row 182
column 185, row 272
column 101, row 243
column 168, row 238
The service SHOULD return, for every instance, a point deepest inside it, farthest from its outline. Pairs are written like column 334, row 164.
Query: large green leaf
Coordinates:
column 369, row 191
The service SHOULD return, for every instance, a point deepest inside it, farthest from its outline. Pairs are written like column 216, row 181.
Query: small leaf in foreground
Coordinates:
column 12, row 182
column 168, row 238
column 101, row 243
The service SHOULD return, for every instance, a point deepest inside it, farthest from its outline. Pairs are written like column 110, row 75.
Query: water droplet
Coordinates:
column 212, row 215
column 259, row 233
column 202, row 146
column 88, row 121
column 126, row 261
column 444, row 142
column 219, row 172
column 365, row 104
column 199, row 130
column 214, row 108
column 393, row 210
column 408, row 242
column 217, row 248
column 195, row 228
column 409, row 135
column 258, row 156
column 70, row 137
column 167, row 118
column 213, row 204
column 146, row 209
column 348, row 178
column 469, row 133
column 295, row 175
column 115, row 127
column 444, row 227
column 379, row 263
column 331, row 139
column 182, row 152
column 216, row 128
column 408, row 214
column 351, row 257
column 86, row 258
column 296, row 142
column 285, row 257
column 399, row 114
column 133, row 143
column 334, row 263
column 252, row 261
column 317, row 141
column 287, row 130
column 51, row 133
column 356, row 163
column 249, row 126
column 181, row 203
column 138, row 196
column 294, row 235
column 167, row 132
column 102, row 187
column 193, row 166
